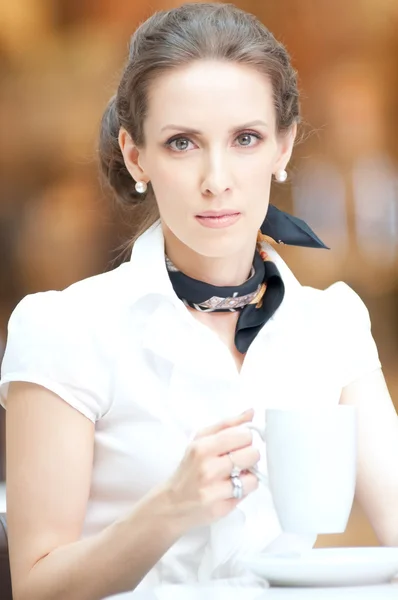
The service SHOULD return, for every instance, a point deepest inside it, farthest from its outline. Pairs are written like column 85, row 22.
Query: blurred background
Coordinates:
column 60, row 62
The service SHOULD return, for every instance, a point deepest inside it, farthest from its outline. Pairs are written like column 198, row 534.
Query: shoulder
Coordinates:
column 99, row 291
column 337, row 303
column 338, row 298
column 81, row 320
column 92, row 298
column 336, row 306
column 332, row 326
column 63, row 341
column 342, row 328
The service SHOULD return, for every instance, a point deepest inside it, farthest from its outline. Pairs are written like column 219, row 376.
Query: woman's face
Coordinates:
column 211, row 148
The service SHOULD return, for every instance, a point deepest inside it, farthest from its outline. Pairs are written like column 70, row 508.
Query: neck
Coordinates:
column 230, row 270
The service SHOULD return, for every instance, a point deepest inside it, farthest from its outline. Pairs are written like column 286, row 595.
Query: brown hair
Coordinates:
column 174, row 38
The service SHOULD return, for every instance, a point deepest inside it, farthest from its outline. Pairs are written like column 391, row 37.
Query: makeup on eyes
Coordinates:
column 249, row 133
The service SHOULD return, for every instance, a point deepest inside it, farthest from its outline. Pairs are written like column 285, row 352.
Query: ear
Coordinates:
column 285, row 147
column 131, row 155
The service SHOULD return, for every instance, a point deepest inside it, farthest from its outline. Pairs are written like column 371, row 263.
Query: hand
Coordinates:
column 201, row 489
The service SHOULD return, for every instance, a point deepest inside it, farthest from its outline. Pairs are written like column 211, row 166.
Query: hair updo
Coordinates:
column 173, row 38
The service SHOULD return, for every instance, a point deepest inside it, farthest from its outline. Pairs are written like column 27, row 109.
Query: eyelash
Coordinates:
column 182, row 137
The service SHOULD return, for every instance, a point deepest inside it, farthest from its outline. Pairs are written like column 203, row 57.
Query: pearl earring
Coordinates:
column 281, row 175
column 141, row 187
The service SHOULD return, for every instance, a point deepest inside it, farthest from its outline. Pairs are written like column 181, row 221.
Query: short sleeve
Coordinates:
column 356, row 350
column 50, row 344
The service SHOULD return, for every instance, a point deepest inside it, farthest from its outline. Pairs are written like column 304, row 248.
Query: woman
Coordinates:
column 127, row 393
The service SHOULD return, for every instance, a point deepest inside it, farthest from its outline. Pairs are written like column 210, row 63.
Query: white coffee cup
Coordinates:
column 311, row 461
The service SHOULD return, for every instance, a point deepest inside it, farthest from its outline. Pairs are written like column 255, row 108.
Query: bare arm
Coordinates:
column 49, row 463
column 377, row 480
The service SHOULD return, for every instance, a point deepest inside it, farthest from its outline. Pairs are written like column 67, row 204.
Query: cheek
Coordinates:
column 255, row 183
column 259, row 164
column 268, row 156
column 172, row 182
column 256, row 174
column 167, row 170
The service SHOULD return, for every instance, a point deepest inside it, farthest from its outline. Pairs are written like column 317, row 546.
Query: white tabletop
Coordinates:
column 224, row 590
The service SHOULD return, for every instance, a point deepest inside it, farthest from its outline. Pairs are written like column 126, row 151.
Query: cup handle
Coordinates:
column 254, row 470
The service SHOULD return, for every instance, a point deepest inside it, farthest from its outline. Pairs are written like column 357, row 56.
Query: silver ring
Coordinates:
column 235, row 471
column 237, row 488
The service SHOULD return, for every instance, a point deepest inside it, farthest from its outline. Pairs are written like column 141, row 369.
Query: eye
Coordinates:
column 246, row 138
column 179, row 144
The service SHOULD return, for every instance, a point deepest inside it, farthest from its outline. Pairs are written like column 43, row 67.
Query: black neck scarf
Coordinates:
column 262, row 293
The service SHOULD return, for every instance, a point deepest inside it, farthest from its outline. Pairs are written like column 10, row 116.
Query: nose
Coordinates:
column 217, row 176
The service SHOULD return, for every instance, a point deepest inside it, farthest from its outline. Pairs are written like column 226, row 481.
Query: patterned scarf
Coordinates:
column 260, row 296
column 257, row 298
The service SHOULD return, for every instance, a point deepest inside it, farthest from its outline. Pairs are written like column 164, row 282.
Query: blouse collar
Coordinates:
column 150, row 276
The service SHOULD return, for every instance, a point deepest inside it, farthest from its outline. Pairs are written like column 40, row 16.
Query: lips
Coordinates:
column 218, row 219
column 218, row 214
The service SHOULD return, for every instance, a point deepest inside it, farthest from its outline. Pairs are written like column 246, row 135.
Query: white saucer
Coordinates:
column 326, row 567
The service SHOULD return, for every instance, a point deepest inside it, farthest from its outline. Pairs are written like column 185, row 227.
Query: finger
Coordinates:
column 230, row 440
column 221, row 443
column 220, row 467
column 249, row 484
column 244, row 417
column 244, row 459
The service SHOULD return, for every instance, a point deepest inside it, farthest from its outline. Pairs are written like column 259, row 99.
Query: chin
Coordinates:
column 208, row 242
column 217, row 245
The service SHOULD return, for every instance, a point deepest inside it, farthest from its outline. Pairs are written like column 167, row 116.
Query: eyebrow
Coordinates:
column 196, row 132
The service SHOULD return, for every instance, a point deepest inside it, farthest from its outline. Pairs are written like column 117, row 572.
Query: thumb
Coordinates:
column 244, row 417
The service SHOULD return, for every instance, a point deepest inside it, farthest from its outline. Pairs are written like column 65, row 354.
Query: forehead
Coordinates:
column 208, row 92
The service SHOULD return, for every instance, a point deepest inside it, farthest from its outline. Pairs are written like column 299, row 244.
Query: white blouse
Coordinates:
column 122, row 349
